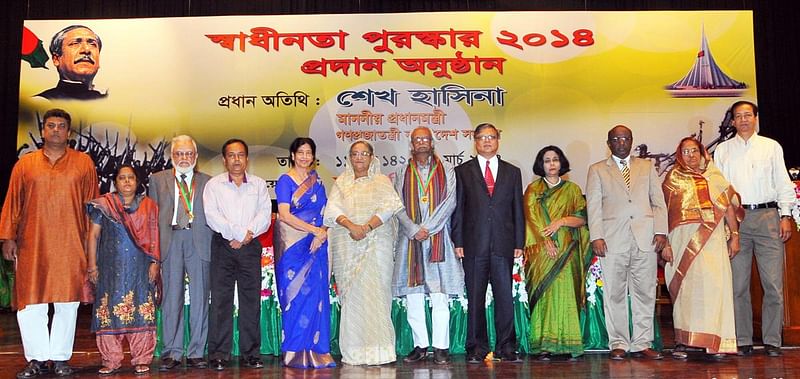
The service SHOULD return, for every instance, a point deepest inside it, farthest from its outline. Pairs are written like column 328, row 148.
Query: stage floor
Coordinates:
column 86, row 359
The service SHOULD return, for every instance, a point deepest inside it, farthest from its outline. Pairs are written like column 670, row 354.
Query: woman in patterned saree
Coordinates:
column 362, row 234
column 123, row 263
column 556, row 255
column 302, row 268
column 703, row 209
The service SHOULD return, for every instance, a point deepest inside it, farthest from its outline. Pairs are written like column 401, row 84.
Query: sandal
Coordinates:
column 106, row 371
column 141, row 369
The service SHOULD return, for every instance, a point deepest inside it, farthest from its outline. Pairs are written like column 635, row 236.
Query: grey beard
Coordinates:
column 185, row 170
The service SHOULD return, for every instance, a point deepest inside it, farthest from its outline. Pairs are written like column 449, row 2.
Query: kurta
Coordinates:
column 363, row 269
column 44, row 212
column 440, row 277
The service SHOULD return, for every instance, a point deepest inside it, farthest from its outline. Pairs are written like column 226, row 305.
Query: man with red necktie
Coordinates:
column 488, row 233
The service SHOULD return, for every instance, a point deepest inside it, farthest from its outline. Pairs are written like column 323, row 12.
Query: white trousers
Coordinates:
column 41, row 344
column 440, row 318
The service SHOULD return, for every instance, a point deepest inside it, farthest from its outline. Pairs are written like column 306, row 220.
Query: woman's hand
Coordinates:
column 666, row 254
column 358, row 232
column 550, row 248
column 551, row 229
column 92, row 273
column 153, row 272
column 733, row 246
column 319, row 238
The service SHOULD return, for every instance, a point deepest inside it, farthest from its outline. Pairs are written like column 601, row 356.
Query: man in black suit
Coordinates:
column 488, row 233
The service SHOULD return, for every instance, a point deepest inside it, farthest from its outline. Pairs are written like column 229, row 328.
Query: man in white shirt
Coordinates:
column 238, row 209
column 754, row 165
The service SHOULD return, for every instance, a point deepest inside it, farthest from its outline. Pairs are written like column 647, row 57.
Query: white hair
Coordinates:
column 183, row 138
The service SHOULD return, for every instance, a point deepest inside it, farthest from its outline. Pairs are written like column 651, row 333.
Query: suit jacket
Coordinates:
column 162, row 190
column 615, row 212
column 484, row 224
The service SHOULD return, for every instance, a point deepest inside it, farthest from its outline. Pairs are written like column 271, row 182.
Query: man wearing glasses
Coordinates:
column 425, row 262
column 627, row 227
column 185, row 250
column 488, row 233
column 754, row 165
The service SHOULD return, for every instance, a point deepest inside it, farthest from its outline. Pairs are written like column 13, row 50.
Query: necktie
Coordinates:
column 626, row 173
column 487, row 176
column 182, row 219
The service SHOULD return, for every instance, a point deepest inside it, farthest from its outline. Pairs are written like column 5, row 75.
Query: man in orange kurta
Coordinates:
column 43, row 227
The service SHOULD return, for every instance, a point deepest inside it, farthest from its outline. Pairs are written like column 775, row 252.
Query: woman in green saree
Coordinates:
column 556, row 255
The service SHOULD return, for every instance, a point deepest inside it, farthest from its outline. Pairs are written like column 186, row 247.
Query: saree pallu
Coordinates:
column 556, row 285
column 699, row 278
column 302, row 279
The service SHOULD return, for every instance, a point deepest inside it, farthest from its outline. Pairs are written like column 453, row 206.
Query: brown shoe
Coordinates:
column 648, row 354
column 617, row 354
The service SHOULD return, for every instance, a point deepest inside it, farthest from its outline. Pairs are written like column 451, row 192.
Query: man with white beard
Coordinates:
column 185, row 249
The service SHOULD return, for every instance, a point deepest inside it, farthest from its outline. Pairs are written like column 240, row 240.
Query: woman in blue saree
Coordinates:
column 302, row 268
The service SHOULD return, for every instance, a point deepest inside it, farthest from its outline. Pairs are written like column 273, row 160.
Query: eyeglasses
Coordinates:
column 362, row 154
column 421, row 139
column 487, row 137
column 689, row 151
column 621, row 139
column 183, row 154
column 743, row 116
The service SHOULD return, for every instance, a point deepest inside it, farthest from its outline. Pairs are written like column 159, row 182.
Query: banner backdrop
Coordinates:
column 560, row 78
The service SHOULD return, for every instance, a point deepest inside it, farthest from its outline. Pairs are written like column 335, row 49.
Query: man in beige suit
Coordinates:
column 628, row 227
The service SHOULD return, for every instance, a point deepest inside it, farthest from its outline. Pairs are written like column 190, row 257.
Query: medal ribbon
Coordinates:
column 424, row 189
column 186, row 195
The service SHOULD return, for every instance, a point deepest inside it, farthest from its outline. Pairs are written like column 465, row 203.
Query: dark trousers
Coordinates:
column 479, row 271
column 229, row 267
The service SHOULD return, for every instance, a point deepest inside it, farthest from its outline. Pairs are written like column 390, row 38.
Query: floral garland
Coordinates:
column 796, row 206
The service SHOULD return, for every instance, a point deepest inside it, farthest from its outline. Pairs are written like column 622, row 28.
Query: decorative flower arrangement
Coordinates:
column 519, row 291
column 796, row 206
column 268, row 286
column 594, row 280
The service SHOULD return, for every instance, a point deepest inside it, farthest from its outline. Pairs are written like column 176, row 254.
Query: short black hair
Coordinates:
column 57, row 112
column 231, row 142
column 745, row 102
column 538, row 164
column 300, row 141
column 485, row 125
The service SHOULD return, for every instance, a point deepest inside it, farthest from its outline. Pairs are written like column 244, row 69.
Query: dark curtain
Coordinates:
column 775, row 22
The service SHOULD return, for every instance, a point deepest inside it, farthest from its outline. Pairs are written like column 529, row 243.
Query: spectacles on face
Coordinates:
column 421, row 139
column 690, row 151
column 487, row 137
column 362, row 154
column 183, row 154
column 743, row 116
column 621, row 139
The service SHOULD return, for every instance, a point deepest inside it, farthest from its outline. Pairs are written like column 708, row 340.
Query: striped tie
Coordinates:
column 626, row 173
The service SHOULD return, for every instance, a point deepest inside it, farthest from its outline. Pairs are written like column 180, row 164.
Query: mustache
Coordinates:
column 84, row 58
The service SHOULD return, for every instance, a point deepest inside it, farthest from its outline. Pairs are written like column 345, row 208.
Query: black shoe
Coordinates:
column 744, row 350
column 33, row 369
column 253, row 362
column 196, row 363
column 512, row 357
column 416, row 355
column 680, row 352
column 543, row 357
column 474, row 359
column 218, row 364
column 773, row 351
column 715, row 356
column 441, row 356
column 62, row 368
column 168, row 363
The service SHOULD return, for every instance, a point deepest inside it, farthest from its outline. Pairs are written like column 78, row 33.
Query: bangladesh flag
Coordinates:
column 32, row 50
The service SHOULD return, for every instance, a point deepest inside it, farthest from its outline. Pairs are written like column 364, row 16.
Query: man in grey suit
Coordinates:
column 628, row 227
column 185, row 249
